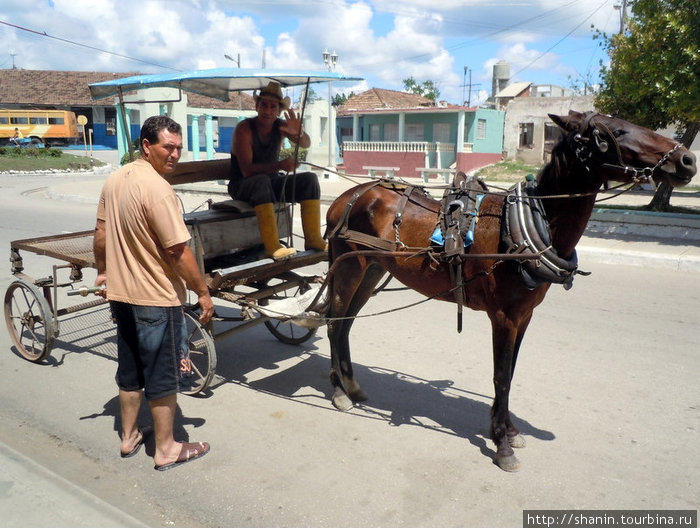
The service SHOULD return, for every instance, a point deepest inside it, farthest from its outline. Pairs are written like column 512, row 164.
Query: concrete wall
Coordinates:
column 534, row 110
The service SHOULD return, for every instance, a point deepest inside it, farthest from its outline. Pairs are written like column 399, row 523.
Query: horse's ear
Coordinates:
column 568, row 123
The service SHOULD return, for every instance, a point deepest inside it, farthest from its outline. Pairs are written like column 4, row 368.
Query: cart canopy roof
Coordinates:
column 217, row 83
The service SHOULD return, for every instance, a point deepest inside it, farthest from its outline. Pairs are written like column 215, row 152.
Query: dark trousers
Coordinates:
column 271, row 188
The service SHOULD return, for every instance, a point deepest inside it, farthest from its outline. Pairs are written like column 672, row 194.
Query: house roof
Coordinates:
column 377, row 99
column 70, row 88
column 514, row 90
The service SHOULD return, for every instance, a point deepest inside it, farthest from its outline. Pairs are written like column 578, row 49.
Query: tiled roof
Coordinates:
column 70, row 88
column 380, row 99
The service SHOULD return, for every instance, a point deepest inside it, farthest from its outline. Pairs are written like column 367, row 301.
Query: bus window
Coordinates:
column 37, row 120
column 19, row 120
column 4, row 120
column 56, row 121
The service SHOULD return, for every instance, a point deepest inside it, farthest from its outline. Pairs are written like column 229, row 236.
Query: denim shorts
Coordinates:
column 152, row 349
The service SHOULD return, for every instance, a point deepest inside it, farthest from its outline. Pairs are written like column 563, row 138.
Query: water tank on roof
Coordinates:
column 501, row 77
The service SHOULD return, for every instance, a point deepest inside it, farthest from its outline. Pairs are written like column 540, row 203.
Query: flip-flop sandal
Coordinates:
column 144, row 433
column 190, row 451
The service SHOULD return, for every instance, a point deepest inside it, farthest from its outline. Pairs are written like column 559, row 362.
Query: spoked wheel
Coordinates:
column 202, row 353
column 30, row 321
column 285, row 331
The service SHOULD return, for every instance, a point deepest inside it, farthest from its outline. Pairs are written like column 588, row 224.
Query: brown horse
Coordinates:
column 596, row 148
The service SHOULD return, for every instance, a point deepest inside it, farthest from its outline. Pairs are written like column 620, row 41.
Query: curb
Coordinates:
column 683, row 262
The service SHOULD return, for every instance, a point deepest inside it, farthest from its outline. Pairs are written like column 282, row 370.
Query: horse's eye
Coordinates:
column 618, row 133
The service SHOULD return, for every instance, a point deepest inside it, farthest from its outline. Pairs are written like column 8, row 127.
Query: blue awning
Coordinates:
column 217, row 83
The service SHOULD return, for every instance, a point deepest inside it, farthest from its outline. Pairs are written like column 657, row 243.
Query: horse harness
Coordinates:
column 525, row 232
column 598, row 145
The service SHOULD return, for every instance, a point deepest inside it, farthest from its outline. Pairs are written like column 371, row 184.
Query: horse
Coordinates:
column 594, row 149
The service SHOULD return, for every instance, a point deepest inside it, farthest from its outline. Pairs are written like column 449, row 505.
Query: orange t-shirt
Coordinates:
column 142, row 218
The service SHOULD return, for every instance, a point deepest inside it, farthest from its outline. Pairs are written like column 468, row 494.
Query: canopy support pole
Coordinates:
column 127, row 126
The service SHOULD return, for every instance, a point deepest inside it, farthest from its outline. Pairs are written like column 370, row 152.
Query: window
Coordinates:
column 552, row 133
column 526, row 135
column 110, row 122
column 441, row 132
column 374, row 133
column 19, row 120
column 37, row 120
column 414, row 132
column 56, row 121
column 481, row 129
column 4, row 120
column 391, row 132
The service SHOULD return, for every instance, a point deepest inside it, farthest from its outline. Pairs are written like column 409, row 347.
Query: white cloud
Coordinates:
column 384, row 41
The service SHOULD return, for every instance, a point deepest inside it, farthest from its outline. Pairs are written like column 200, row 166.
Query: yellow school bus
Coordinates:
column 53, row 127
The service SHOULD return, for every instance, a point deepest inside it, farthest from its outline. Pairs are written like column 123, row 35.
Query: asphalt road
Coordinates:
column 605, row 393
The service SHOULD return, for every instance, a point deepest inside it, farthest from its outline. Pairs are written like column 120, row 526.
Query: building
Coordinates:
column 529, row 134
column 68, row 90
column 396, row 129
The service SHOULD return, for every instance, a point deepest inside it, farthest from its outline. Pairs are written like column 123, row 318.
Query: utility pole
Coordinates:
column 623, row 15
column 468, row 100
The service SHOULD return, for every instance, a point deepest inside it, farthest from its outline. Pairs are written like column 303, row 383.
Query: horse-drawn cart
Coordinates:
column 230, row 257
column 224, row 239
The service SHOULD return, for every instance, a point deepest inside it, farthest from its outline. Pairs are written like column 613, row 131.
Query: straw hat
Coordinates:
column 273, row 91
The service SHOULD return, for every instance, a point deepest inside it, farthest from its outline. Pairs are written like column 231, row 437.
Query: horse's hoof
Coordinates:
column 342, row 402
column 517, row 441
column 358, row 395
column 508, row 463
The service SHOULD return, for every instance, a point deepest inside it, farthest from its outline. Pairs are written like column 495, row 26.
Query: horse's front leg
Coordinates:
column 507, row 336
column 351, row 288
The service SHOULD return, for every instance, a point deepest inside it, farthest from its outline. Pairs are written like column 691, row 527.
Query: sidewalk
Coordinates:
column 29, row 491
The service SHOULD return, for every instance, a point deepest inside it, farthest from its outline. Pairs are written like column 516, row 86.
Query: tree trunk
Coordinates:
column 662, row 197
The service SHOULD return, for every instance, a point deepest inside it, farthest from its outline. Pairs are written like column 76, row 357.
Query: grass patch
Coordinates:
column 33, row 159
column 507, row 171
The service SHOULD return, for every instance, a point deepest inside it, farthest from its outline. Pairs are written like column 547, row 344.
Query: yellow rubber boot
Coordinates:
column 267, row 224
column 311, row 224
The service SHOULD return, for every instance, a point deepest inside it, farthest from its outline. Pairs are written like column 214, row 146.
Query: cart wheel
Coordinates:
column 202, row 353
column 285, row 331
column 30, row 321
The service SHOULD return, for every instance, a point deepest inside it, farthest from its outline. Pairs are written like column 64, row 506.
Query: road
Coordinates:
column 605, row 392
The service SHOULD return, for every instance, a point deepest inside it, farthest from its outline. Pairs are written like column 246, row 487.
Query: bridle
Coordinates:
column 597, row 146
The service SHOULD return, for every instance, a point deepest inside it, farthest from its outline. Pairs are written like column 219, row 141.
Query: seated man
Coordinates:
column 256, row 171
column 17, row 136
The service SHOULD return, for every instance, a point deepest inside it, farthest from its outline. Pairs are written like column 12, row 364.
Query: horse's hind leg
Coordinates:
column 352, row 286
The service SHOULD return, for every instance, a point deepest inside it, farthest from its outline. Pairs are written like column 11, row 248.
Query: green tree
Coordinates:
column 341, row 99
column 653, row 76
column 427, row 89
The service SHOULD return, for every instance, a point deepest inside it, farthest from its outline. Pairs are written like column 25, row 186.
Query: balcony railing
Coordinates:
column 402, row 146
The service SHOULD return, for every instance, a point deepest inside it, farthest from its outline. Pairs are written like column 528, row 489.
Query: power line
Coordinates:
column 558, row 41
column 46, row 35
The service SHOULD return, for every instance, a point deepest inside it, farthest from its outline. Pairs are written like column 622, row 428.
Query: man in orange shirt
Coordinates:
column 143, row 258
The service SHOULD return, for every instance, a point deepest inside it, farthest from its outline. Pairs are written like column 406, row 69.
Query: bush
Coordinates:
column 125, row 158
column 289, row 153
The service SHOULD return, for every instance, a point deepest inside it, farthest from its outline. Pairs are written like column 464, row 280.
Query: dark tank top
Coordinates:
column 262, row 152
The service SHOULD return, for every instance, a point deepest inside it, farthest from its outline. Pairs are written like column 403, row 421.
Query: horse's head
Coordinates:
column 619, row 150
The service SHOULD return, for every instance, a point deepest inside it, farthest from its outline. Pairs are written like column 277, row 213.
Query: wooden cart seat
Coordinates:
column 229, row 227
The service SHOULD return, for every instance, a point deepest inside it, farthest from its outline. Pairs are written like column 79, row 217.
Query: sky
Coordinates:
column 453, row 43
